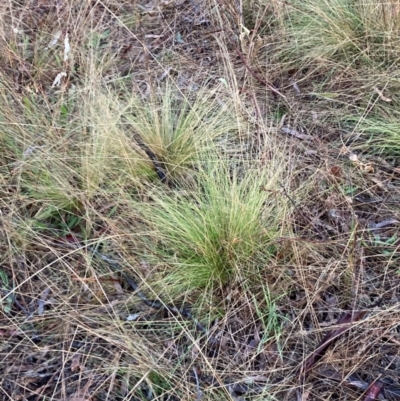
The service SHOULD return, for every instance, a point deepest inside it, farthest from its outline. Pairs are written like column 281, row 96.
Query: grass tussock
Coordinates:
column 178, row 130
column 61, row 162
column 194, row 196
column 377, row 133
column 360, row 33
column 226, row 222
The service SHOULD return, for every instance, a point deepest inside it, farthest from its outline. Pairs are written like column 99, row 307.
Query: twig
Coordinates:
column 298, row 210
column 373, row 391
column 257, row 77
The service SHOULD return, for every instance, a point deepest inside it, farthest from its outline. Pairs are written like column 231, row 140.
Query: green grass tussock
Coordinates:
column 378, row 134
column 353, row 33
column 179, row 130
column 215, row 232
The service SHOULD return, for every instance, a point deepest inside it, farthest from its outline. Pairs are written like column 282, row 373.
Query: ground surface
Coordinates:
column 199, row 200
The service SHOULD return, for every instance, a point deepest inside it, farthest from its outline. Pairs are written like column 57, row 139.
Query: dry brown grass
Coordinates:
column 74, row 179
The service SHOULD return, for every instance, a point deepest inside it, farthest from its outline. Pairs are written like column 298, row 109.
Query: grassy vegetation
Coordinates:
column 225, row 221
column 193, row 193
column 354, row 34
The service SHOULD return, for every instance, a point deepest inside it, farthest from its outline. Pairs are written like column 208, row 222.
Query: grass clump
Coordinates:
column 378, row 135
column 212, row 235
column 178, row 130
column 63, row 158
column 351, row 32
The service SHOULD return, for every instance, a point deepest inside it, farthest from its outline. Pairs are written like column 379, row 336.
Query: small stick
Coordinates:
column 257, row 77
column 297, row 210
